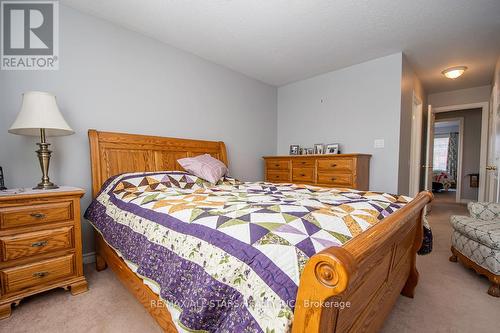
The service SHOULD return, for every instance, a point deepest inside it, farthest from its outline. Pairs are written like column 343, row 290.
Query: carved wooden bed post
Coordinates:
column 326, row 274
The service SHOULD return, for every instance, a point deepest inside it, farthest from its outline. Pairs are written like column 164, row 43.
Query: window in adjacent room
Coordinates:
column 440, row 152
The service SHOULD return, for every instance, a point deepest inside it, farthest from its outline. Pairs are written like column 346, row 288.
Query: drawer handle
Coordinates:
column 333, row 178
column 38, row 215
column 39, row 244
column 334, row 165
column 302, row 174
column 40, row 274
column 276, row 165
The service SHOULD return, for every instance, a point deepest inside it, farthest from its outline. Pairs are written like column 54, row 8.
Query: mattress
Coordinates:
column 228, row 257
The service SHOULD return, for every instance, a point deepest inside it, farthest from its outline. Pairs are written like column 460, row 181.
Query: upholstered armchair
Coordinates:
column 476, row 241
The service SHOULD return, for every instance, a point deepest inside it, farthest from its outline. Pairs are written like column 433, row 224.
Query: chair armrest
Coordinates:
column 487, row 211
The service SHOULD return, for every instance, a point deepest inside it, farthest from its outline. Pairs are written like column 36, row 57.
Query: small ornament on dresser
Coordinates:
column 294, row 149
column 2, row 182
column 319, row 149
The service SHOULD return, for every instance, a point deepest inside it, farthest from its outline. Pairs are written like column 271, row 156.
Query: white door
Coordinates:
column 431, row 119
column 492, row 177
column 416, row 146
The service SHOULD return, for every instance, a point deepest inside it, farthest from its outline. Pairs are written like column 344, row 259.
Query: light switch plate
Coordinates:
column 378, row 143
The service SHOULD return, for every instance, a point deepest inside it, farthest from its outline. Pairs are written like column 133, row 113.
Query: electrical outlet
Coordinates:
column 378, row 143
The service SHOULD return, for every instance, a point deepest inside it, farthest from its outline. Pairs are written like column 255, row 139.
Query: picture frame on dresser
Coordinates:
column 294, row 149
column 319, row 148
column 332, row 148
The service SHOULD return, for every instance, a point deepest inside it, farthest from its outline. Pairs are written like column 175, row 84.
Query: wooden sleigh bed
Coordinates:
column 368, row 272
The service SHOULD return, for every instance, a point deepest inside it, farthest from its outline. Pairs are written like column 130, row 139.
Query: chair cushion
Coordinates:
column 482, row 231
column 484, row 210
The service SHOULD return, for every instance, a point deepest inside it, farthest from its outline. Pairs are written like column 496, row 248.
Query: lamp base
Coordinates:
column 46, row 186
column 43, row 154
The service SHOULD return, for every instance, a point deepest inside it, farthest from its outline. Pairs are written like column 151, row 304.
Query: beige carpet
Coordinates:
column 449, row 298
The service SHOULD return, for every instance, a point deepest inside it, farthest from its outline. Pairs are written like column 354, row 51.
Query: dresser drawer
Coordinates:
column 28, row 215
column 336, row 164
column 277, row 176
column 32, row 243
column 303, row 174
column 45, row 271
column 296, row 163
column 277, row 164
column 336, row 179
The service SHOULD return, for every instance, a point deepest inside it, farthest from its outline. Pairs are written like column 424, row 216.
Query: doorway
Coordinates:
column 447, row 158
column 470, row 174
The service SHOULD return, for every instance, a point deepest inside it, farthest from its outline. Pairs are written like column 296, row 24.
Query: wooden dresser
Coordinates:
column 40, row 244
column 342, row 170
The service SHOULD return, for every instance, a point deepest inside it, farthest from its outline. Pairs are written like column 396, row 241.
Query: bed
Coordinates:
column 441, row 180
column 348, row 287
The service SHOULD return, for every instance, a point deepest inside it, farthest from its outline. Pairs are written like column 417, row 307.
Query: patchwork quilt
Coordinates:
column 229, row 257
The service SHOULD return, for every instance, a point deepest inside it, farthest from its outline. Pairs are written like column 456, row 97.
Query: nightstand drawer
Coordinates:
column 32, row 243
column 17, row 216
column 45, row 271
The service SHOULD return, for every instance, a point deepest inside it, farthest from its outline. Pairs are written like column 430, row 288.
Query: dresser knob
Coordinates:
column 334, row 165
column 39, row 244
column 302, row 175
column 38, row 215
column 40, row 274
column 276, row 165
column 333, row 178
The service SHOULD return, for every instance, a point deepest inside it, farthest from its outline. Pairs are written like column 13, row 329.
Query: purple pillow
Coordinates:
column 205, row 167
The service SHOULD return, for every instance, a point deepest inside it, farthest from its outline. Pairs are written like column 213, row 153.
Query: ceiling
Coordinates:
column 282, row 41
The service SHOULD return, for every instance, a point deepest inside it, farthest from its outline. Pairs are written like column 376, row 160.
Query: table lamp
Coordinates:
column 40, row 115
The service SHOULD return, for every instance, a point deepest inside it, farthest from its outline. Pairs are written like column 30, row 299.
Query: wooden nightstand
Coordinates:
column 40, row 244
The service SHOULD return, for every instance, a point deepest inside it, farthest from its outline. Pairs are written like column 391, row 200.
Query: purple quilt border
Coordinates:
column 172, row 278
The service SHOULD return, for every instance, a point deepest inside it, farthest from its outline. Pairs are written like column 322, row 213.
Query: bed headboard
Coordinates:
column 115, row 153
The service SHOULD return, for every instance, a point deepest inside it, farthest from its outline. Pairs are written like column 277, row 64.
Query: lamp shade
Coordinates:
column 39, row 110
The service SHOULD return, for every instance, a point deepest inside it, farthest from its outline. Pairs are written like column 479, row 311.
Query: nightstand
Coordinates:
column 40, row 243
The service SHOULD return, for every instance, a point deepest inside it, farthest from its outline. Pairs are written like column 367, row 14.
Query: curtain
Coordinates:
column 452, row 163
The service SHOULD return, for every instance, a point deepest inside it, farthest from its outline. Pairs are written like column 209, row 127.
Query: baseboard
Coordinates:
column 89, row 258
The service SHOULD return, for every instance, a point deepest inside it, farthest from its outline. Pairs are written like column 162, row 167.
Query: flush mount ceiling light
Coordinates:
column 454, row 72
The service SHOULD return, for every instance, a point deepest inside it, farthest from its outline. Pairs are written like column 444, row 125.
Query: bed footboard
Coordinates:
column 353, row 288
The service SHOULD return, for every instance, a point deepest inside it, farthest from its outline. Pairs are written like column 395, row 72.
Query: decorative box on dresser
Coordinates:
column 40, row 244
column 341, row 170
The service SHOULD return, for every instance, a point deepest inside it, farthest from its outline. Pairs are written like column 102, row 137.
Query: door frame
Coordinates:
column 484, row 106
column 416, row 145
column 458, row 195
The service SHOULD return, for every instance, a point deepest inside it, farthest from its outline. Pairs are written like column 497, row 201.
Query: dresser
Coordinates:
column 342, row 170
column 40, row 244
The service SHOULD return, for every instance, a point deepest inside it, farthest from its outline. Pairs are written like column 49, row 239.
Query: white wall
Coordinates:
column 410, row 84
column 116, row 80
column 461, row 96
column 352, row 106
